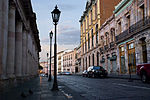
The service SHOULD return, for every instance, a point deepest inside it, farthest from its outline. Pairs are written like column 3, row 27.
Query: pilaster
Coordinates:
column 18, row 51
column 11, row 42
column 24, row 52
column 3, row 37
column 126, row 57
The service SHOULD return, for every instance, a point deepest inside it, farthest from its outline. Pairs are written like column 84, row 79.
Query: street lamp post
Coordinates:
column 50, row 35
column 55, row 17
column 47, row 65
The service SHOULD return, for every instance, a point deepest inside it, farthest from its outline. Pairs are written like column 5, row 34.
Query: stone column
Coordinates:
column 11, row 42
column 3, row 37
column 126, row 58
column 27, row 54
column 118, row 59
column 18, row 53
column 0, row 38
column 24, row 51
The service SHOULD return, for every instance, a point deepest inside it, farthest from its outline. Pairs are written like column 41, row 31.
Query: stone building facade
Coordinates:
column 133, row 34
column 78, row 67
column 107, row 47
column 60, row 61
column 19, row 40
column 90, row 23
column 69, row 61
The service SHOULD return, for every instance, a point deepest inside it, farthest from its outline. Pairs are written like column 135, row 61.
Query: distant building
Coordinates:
column 45, row 67
column 19, row 40
column 78, row 67
column 69, row 61
column 60, row 61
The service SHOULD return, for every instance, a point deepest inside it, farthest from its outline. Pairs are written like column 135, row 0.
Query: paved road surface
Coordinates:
column 106, row 89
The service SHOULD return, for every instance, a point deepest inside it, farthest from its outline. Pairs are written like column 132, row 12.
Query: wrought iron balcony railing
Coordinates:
column 134, row 29
column 140, row 2
column 111, row 45
column 106, row 47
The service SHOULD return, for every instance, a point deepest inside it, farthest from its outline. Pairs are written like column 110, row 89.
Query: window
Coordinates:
column 119, row 27
column 122, row 49
column 131, row 46
column 89, row 60
column 86, row 63
column 88, row 41
column 107, row 38
column 144, row 50
column 97, row 58
column 87, row 21
column 102, row 40
column 85, row 45
column 85, row 26
column 92, row 37
column 95, row 10
column 91, row 17
column 93, row 59
column 112, row 34
column 97, row 34
column 128, row 21
column 142, row 12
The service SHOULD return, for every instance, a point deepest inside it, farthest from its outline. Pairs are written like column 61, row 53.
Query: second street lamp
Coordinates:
column 50, row 35
column 55, row 17
column 47, row 66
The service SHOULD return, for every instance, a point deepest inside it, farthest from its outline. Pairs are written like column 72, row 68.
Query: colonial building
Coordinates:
column 133, row 34
column 95, row 14
column 60, row 61
column 78, row 67
column 107, row 46
column 45, row 67
column 69, row 61
column 19, row 40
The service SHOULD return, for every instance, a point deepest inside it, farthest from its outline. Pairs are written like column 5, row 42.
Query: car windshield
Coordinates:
column 96, row 67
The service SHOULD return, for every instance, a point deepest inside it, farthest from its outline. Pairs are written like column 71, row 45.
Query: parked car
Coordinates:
column 96, row 71
column 43, row 75
column 143, row 70
column 84, row 73
column 66, row 73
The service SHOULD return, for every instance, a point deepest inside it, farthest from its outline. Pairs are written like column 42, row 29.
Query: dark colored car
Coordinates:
column 143, row 70
column 96, row 71
column 84, row 73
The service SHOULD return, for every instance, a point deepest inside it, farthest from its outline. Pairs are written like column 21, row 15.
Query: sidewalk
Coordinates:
column 122, row 76
column 35, row 89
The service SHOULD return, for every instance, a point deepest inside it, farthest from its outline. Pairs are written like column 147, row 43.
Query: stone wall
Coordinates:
column 19, row 40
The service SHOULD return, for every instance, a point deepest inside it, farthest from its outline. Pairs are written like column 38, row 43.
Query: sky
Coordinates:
column 68, row 28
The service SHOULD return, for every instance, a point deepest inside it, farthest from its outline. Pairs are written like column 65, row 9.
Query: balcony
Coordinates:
column 112, row 45
column 101, row 50
column 140, row 2
column 106, row 47
column 133, row 30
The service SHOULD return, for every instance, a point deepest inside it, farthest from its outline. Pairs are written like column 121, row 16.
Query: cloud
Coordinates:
column 70, row 37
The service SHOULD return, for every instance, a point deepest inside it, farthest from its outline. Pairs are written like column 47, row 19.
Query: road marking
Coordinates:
column 132, row 86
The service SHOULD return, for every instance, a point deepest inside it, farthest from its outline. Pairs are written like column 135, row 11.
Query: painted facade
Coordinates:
column 91, row 21
column 69, row 61
column 133, row 34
